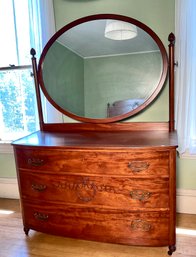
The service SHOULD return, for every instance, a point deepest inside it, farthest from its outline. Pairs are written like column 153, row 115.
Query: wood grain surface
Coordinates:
column 14, row 243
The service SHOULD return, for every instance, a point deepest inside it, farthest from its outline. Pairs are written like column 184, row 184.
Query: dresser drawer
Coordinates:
column 89, row 223
column 116, row 192
column 131, row 162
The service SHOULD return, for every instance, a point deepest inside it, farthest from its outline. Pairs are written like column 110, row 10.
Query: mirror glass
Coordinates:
column 87, row 73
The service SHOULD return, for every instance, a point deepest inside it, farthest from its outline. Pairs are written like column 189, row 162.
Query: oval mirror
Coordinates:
column 102, row 68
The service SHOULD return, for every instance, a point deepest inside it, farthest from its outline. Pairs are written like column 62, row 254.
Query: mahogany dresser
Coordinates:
column 99, row 179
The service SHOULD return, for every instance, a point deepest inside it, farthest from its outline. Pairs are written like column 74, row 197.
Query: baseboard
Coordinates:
column 186, row 201
column 9, row 188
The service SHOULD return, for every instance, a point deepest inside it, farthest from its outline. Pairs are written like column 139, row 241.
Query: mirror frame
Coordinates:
column 121, row 117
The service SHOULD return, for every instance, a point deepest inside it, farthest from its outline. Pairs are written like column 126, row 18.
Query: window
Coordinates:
column 186, row 76
column 18, row 112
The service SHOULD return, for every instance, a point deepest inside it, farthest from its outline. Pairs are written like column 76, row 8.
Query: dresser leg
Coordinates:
column 172, row 249
column 26, row 230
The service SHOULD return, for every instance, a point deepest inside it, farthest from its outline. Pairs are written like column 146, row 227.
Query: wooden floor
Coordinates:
column 14, row 243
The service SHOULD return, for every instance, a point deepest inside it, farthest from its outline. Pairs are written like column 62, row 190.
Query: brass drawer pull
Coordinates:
column 140, row 195
column 141, row 225
column 37, row 187
column 35, row 162
column 138, row 166
column 40, row 216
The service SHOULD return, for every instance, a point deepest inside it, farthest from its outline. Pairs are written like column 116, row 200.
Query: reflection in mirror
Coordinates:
column 93, row 76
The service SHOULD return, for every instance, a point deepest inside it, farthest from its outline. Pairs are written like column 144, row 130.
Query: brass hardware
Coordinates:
column 35, row 162
column 141, row 225
column 40, row 216
column 37, row 187
column 138, row 166
column 140, row 195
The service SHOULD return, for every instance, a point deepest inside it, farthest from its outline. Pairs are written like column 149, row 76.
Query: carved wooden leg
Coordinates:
column 26, row 230
column 172, row 249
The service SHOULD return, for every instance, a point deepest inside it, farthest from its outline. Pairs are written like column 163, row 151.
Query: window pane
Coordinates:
column 22, row 31
column 14, row 26
column 7, row 42
column 18, row 115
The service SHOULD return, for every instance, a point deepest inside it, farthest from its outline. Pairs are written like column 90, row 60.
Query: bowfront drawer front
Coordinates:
column 89, row 223
column 116, row 192
column 131, row 162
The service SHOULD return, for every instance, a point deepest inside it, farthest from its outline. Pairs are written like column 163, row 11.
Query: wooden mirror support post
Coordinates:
column 37, row 89
column 171, row 39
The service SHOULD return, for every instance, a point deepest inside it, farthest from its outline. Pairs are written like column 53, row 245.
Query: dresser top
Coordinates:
column 122, row 139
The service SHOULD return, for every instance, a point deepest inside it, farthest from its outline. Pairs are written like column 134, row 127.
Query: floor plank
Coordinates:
column 14, row 243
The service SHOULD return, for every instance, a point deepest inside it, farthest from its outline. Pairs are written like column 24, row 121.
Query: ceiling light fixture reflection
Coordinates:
column 120, row 30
